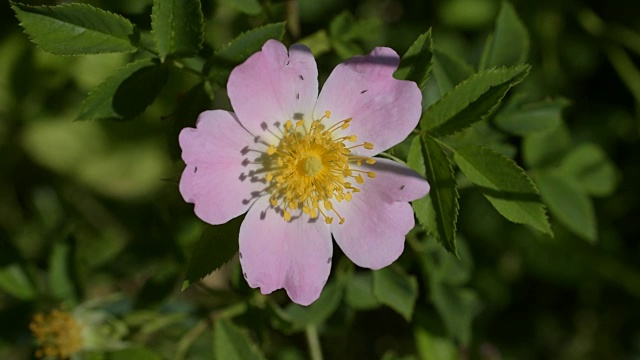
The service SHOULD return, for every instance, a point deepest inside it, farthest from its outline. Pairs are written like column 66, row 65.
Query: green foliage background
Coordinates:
column 526, row 247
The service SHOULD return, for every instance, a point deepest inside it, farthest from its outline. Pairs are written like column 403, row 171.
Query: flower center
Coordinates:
column 310, row 167
column 58, row 334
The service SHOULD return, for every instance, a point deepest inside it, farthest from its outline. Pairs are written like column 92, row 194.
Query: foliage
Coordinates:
column 530, row 117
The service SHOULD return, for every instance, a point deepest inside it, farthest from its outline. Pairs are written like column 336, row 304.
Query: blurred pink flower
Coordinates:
column 300, row 164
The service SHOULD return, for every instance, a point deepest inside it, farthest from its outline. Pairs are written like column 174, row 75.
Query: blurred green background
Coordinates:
column 91, row 219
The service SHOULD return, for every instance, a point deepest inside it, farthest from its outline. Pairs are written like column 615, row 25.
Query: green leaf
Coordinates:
column 522, row 119
column 60, row 274
column 432, row 346
column 76, row 29
column 546, row 148
column 396, row 289
column 589, row 166
column 318, row 42
column 471, row 101
column 437, row 213
column 568, row 204
column 250, row 7
column 449, row 70
column 127, row 93
column 359, row 291
column 137, row 353
column 215, row 247
column 415, row 64
column 319, row 311
column 457, row 306
column 14, row 281
column 509, row 45
column 240, row 48
column 627, row 70
column 178, row 27
column 505, row 185
column 346, row 32
column 230, row 343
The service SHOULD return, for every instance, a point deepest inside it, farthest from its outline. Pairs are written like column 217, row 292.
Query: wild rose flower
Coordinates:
column 302, row 166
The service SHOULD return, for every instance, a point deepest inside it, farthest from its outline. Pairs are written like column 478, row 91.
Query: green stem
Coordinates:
column 314, row 342
column 293, row 19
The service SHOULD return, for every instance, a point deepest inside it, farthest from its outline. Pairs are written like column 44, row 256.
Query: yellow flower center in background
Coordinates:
column 309, row 168
column 58, row 334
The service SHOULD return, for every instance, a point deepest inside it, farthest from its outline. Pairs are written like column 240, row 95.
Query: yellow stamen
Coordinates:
column 58, row 334
column 309, row 167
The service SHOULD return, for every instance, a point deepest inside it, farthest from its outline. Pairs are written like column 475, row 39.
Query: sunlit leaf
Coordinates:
column 76, row 29
column 438, row 212
column 178, row 27
column 215, row 247
column 509, row 44
column 569, row 204
column 415, row 64
column 505, row 185
column 471, row 101
column 396, row 289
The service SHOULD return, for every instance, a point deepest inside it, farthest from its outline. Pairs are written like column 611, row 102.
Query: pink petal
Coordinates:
column 379, row 217
column 384, row 110
column 273, row 86
column 217, row 176
column 277, row 254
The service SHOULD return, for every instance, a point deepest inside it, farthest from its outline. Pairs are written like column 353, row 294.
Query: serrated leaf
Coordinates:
column 471, row 101
column 231, row 343
column 449, row 70
column 178, row 27
column 568, row 204
column 546, row 148
column 319, row 311
column 415, row 64
column 589, row 166
column 240, row 48
column 345, row 31
column 505, row 185
column 249, row 7
column 359, row 291
column 76, row 29
column 215, row 247
column 509, row 44
column 127, row 93
column 396, row 289
column 437, row 213
column 519, row 118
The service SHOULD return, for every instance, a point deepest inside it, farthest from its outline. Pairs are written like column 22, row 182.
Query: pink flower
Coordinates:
column 301, row 166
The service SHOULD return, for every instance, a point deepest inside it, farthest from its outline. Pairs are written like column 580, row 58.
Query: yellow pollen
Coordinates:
column 310, row 165
column 58, row 334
